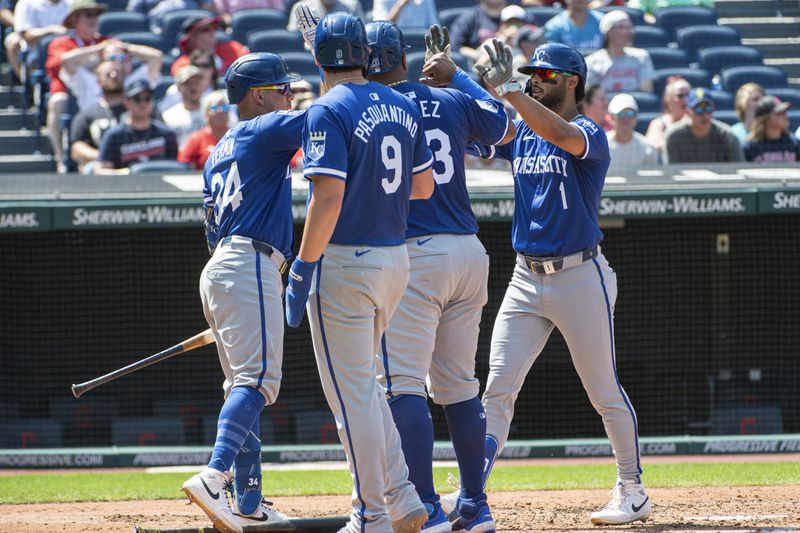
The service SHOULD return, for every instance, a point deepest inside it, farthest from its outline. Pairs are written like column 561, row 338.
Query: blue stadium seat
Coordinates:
column 649, row 37
column 441, row 5
column 665, row 57
column 115, row 22
column 171, row 23
column 275, row 41
column 693, row 38
column 146, row 39
column 415, row 38
column 715, row 59
column 448, row 16
column 149, row 431
column 415, row 61
column 787, row 94
column 223, row 37
column 768, row 77
column 696, row 77
column 31, row 433
column 159, row 166
column 722, row 99
column 644, row 120
column 670, row 19
column 794, row 119
column 116, row 5
column 539, row 15
column 161, row 89
column 247, row 20
column 301, row 63
column 728, row 116
column 636, row 15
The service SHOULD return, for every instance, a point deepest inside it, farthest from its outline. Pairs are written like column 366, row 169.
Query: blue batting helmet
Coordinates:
column 341, row 41
column 561, row 57
column 255, row 69
column 387, row 46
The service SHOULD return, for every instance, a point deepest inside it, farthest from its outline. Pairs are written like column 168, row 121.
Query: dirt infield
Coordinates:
column 693, row 509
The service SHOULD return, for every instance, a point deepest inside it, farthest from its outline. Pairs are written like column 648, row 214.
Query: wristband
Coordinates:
column 511, row 86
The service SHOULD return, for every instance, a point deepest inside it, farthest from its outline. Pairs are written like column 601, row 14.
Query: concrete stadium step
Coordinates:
column 11, row 97
column 756, row 8
column 764, row 26
column 23, row 143
column 22, row 164
column 15, row 119
column 774, row 47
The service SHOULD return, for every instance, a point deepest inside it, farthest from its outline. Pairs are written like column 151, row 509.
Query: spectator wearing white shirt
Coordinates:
column 406, row 14
column 618, row 66
column 35, row 19
column 186, row 117
column 629, row 149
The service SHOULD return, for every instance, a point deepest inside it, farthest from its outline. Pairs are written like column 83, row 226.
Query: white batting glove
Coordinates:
column 307, row 21
column 500, row 74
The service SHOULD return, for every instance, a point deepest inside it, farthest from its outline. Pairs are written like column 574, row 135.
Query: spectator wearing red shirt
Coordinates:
column 81, row 24
column 199, row 33
column 200, row 144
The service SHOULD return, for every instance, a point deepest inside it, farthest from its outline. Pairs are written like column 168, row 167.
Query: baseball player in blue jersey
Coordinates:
column 365, row 156
column 561, row 279
column 248, row 197
column 433, row 335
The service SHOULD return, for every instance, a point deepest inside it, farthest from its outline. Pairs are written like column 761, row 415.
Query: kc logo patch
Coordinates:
column 541, row 55
column 316, row 148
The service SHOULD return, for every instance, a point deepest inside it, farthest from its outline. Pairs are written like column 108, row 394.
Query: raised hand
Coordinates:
column 307, row 20
column 438, row 70
column 437, row 41
column 500, row 74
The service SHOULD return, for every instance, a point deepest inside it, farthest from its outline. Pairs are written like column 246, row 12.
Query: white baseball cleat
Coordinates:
column 628, row 503
column 208, row 490
column 449, row 502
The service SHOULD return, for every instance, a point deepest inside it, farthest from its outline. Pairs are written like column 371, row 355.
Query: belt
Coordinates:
column 261, row 247
column 551, row 265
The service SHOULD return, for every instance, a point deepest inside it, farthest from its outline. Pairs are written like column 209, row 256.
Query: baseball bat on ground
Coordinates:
column 294, row 525
column 201, row 339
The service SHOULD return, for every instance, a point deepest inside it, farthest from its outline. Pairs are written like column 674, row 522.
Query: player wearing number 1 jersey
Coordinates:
column 366, row 156
column 247, row 190
column 433, row 335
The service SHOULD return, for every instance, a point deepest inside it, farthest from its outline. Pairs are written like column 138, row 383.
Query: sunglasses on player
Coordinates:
column 549, row 73
column 284, row 88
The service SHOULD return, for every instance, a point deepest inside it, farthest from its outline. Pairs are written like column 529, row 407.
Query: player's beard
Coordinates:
column 554, row 98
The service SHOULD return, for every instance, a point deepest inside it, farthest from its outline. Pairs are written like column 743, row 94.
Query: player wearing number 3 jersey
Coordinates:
column 247, row 190
column 561, row 279
column 365, row 155
column 433, row 335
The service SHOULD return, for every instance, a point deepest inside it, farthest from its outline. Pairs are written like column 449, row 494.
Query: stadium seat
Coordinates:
column 145, row 38
column 147, row 431
column 415, row 61
column 301, row 62
column 794, row 119
column 715, row 59
column 441, row 5
column 158, row 166
column 31, row 433
column 697, row 77
column 539, row 15
column 693, row 38
column 415, row 38
column 670, row 19
column 116, row 5
column 722, row 99
column 636, row 15
column 275, row 41
column 787, row 94
column 649, row 37
column 448, row 16
column 768, row 77
column 728, row 116
column 644, row 120
column 115, row 22
column 172, row 21
column 161, row 89
column 247, row 20
column 665, row 57
column 645, row 100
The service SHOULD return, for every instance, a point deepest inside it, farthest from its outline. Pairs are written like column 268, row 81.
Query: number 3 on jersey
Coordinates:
column 227, row 191
column 442, row 154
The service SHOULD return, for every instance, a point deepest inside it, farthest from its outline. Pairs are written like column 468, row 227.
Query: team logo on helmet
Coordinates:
column 540, row 55
column 317, row 147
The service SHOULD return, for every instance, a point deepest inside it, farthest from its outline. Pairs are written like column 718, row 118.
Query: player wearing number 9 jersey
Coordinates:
column 366, row 156
column 561, row 279
column 247, row 195
column 433, row 335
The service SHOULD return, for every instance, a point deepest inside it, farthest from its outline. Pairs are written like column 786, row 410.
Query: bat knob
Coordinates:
column 75, row 391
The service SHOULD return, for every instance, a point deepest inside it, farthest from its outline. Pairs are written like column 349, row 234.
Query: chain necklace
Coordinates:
column 347, row 79
column 395, row 83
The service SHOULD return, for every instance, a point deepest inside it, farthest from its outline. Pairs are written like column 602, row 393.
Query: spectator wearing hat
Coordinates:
column 701, row 139
column 200, row 144
column 138, row 137
column 618, row 66
column 226, row 8
column 577, row 26
column 156, row 9
column 324, row 7
column 186, row 117
column 629, row 148
column 673, row 103
column 199, row 33
column 770, row 141
column 475, row 26
column 406, row 13
column 202, row 59
column 595, row 106
column 745, row 102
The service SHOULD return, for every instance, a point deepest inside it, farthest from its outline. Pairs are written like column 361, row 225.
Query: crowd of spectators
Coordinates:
column 125, row 111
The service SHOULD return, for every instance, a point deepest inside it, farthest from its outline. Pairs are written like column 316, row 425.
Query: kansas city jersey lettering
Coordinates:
column 376, row 114
column 556, row 190
column 245, row 179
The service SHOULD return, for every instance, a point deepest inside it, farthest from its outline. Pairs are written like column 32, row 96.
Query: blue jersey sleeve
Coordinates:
column 325, row 148
column 283, row 130
column 596, row 141
column 488, row 121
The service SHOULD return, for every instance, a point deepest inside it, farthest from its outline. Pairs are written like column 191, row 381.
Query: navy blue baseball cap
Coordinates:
column 135, row 87
column 699, row 96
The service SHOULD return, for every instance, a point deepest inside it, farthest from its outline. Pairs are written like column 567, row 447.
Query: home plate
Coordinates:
column 722, row 518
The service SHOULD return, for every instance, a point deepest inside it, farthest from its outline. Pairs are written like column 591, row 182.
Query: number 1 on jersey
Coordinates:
column 228, row 193
column 563, row 195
